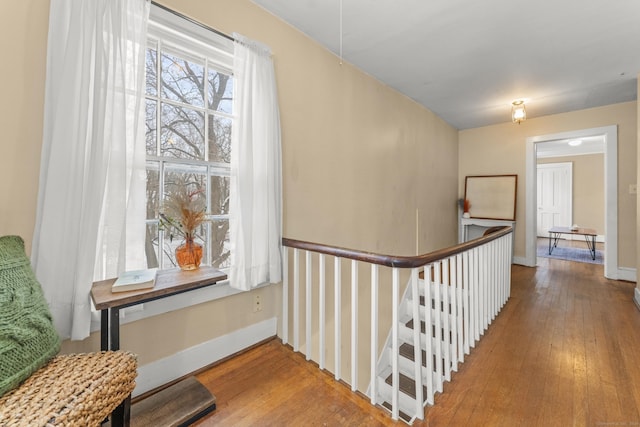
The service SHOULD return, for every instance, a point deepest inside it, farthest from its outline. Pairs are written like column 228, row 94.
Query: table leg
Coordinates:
column 104, row 329
column 553, row 241
column 115, row 329
column 591, row 244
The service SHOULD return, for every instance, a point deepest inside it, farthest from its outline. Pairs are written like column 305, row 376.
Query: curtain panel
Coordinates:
column 90, row 220
column 255, row 207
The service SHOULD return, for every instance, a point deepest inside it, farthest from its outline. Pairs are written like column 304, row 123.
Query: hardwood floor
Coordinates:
column 564, row 351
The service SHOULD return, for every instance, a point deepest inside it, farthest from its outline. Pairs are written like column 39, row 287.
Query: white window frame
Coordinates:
column 171, row 26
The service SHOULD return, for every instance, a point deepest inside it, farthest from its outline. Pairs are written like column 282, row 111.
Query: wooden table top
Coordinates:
column 168, row 282
column 579, row 230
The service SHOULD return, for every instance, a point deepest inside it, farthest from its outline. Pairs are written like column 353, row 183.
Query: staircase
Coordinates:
column 455, row 312
column 453, row 294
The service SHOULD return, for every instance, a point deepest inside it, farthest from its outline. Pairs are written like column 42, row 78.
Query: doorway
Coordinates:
column 610, row 139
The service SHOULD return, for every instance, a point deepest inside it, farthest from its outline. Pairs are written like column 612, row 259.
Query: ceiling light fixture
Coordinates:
column 518, row 113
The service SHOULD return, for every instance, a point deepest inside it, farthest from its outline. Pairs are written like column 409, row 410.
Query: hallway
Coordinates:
column 563, row 351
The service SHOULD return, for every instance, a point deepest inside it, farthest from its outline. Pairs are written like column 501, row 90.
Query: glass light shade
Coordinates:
column 518, row 113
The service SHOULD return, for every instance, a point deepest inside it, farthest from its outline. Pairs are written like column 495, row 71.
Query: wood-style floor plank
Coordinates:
column 563, row 351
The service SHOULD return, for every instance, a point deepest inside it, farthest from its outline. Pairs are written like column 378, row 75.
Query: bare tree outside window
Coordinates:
column 188, row 138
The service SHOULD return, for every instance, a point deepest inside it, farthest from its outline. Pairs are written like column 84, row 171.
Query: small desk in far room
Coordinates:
column 589, row 236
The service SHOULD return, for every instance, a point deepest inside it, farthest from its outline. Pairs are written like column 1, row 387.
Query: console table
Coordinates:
column 588, row 233
column 168, row 283
column 466, row 223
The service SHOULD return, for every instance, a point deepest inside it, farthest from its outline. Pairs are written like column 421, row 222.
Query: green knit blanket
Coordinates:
column 28, row 338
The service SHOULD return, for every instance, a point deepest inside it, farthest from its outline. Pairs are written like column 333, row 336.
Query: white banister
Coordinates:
column 455, row 296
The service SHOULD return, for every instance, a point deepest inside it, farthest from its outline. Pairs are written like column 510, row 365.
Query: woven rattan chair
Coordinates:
column 74, row 390
column 39, row 387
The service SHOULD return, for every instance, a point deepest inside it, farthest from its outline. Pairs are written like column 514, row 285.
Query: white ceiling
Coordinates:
column 467, row 60
column 571, row 147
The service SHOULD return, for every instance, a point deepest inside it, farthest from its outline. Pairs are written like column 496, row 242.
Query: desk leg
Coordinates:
column 115, row 329
column 104, row 329
column 591, row 244
column 552, row 245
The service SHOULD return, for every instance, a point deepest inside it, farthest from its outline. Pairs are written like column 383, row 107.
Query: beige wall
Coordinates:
column 500, row 149
column 23, row 44
column 360, row 161
column 588, row 189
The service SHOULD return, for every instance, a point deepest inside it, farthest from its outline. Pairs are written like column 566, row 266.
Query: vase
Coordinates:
column 189, row 255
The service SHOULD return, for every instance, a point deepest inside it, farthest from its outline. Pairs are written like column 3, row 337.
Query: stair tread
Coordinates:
column 406, row 351
column 407, row 385
column 423, row 325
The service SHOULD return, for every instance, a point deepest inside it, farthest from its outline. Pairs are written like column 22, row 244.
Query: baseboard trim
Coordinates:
column 521, row 261
column 627, row 273
column 155, row 374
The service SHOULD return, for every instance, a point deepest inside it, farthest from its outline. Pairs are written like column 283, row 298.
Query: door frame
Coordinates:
column 567, row 166
column 610, row 136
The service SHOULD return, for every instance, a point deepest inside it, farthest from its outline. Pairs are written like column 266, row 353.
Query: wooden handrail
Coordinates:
column 396, row 261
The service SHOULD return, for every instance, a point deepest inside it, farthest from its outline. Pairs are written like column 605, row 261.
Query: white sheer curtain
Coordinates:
column 91, row 202
column 256, row 177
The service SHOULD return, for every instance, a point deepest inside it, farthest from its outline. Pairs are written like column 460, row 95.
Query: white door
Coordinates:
column 554, row 196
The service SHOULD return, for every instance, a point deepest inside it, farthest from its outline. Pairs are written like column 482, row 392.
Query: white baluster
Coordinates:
column 337, row 310
column 395, row 373
column 285, row 295
column 437, row 288
column 296, row 297
column 374, row 333
column 308, row 299
column 354, row 325
column 446, row 331
column 321, row 309
column 466, row 308
column 460, row 308
column 453, row 303
column 428, row 313
column 417, row 351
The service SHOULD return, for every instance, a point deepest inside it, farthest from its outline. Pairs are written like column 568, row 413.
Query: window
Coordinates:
column 189, row 97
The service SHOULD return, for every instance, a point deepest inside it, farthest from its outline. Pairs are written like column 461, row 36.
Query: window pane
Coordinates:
column 219, row 139
column 220, row 243
column 182, row 80
column 153, row 190
column 219, row 195
column 151, row 60
column 151, row 127
column 151, row 245
column 220, row 91
column 182, row 133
